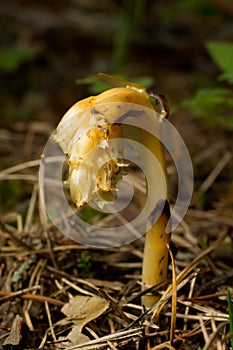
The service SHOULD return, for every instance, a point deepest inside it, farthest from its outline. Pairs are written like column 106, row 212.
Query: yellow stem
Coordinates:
column 155, row 259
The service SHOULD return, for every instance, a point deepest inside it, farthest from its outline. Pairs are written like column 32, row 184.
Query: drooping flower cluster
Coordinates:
column 85, row 134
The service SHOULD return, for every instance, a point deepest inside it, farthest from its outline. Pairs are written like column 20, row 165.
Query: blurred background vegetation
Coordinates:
column 50, row 51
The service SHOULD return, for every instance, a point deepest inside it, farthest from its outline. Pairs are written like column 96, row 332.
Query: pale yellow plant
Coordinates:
column 96, row 165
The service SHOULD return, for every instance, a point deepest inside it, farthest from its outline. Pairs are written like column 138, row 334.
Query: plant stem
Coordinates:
column 155, row 259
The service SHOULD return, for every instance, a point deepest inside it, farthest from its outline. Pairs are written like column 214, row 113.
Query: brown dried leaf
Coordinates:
column 76, row 337
column 82, row 309
column 15, row 335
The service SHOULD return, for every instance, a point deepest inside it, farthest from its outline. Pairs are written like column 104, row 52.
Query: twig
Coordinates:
column 203, row 328
column 163, row 346
column 4, row 335
column 174, row 298
column 192, row 284
column 73, row 278
column 111, row 337
column 214, row 328
column 208, row 296
column 50, row 320
column 34, row 276
column 72, row 285
column 27, row 304
column 219, row 318
column 24, row 177
column 31, row 208
column 11, row 251
column 215, row 172
column 4, row 228
column 19, row 167
column 154, row 289
column 51, row 252
column 28, row 320
column 214, row 335
column 9, row 295
column 208, row 311
column 114, row 305
column 42, row 298
column 164, row 298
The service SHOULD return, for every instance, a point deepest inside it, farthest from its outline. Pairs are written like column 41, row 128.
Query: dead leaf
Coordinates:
column 76, row 337
column 15, row 335
column 82, row 309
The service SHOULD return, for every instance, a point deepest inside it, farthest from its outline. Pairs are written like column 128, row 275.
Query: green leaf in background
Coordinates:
column 222, row 55
column 96, row 86
column 213, row 105
column 11, row 58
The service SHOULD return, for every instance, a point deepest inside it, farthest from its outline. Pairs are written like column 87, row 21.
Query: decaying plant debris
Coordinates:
column 42, row 273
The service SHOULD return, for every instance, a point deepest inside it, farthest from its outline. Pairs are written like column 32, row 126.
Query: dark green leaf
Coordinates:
column 12, row 58
column 222, row 54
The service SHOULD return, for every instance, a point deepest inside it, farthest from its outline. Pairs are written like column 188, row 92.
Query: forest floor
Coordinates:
column 46, row 279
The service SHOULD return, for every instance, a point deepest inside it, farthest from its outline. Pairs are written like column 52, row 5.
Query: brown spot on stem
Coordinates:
column 161, row 259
